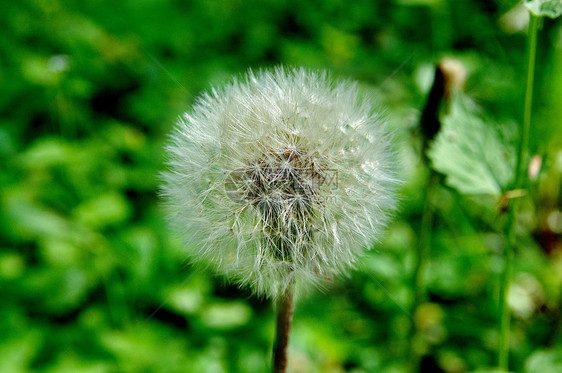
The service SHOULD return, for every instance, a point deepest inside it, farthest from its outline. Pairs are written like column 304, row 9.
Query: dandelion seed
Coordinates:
column 283, row 177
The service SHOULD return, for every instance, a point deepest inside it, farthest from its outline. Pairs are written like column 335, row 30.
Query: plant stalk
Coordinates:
column 513, row 207
column 284, row 317
column 422, row 258
column 424, row 242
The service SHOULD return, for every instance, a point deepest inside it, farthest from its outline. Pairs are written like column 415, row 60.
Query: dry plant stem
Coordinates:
column 284, row 317
column 503, row 347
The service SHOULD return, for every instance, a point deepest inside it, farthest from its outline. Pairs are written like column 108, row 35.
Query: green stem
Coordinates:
column 531, row 58
column 422, row 256
column 423, row 241
column 503, row 346
column 522, row 155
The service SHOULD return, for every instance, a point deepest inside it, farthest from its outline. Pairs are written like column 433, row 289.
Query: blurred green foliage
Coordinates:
column 91, row 280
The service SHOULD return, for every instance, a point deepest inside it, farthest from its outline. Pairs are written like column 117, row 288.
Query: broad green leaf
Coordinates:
column 471, row 152
column 227, row 315
column 544, row 361
column 103, row 210
column 548, row 8
column 17, row 352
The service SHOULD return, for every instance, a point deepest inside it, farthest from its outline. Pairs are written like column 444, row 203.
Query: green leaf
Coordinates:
column 548, row 8
column 471, row 151
column 226, row 315
column 17, row 354
column 544, row 361
column 103, row 210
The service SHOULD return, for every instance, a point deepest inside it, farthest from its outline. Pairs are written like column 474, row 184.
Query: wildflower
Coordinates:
column 282, row 177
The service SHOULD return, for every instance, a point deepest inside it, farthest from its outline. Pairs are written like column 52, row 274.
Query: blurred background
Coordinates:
column 92, row 280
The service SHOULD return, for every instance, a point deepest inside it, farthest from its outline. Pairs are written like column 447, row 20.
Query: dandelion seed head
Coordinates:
column 279, row 177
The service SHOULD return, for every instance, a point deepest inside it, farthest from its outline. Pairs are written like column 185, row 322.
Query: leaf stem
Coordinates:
column 522, row 155
column 284, row 317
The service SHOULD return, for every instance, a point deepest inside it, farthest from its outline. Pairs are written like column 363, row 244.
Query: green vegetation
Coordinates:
column 91, row 278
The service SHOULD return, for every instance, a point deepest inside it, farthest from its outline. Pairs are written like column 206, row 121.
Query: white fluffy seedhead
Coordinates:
column 284, row 176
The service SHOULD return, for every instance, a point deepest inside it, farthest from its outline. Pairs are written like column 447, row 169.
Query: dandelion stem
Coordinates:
column 503, row 346
column 284, row 317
